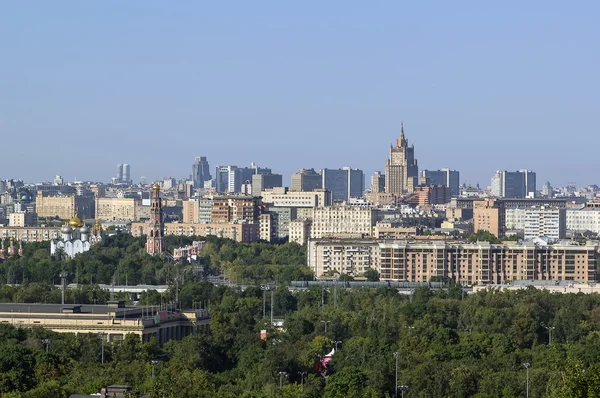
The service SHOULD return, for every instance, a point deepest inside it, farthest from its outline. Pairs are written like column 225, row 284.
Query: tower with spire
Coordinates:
column 401, row 169
column 156, row 243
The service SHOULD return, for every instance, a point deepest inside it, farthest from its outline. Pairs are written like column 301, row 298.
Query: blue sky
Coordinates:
column 480, row 86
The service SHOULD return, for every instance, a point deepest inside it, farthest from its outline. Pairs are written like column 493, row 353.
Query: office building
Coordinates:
column 200, row 172
column 401, row 169
column 118, row 209
column 424, row 196
column 343, row 183
column 64, row 207
column 446, row 177
column 306, row 180
column 377, row 183
column 123, row 174
column 468, row 263
column 260, row 182
column 514, row 184
column 229, row 179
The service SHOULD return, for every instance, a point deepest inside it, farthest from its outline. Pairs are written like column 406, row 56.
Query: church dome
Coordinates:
column 66, row 229
column 156, row 187
column 75, row 222
column 84, row 230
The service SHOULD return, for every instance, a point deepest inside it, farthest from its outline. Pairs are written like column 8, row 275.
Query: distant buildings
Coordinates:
column 155, row 241
column 229, row 179
column 306, row 180
column 64, row 206
column 200, row 172
column 343, row 183
column 123, row 174
column 260, row 182
column 377, row 182
column 446, row 177
column 514, row 184
column 401, row 169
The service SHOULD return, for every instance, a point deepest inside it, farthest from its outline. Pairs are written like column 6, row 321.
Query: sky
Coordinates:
column 480, row 86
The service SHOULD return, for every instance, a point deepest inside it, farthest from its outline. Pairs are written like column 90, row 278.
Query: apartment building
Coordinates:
column 64, row 206
column 30, row 234
column 343, row 221
column 227, row 209
column 282, row 197
column 118, row 209
column 300, row 230
column 489, row 215
column 342, row 256
column 239, row 231
column 586, row 219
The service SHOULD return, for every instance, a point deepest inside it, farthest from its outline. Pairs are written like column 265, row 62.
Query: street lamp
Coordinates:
column 101, row 337
column 402, row 389
column 153, row 362
column 281, row 374
column 46, row 342
column 396, row 354
column 591, row 285
column 302, row 379
column 550, row 329
column 336, row 342
column 527, row 365
column 325, row 322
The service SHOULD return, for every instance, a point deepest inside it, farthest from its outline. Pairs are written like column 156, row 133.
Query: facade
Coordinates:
column 489, row 215
column 586, row 219
column 401, row 169
column 545, row 222
column 118, row 209
column 156, row 242
column 300, row 230
column 343, row 221
column 514, row 184
column 424, row 196
column 200, row 172
column 281, row 197
column 227, row 209
column 197, row 211
column 260, row 182
column 21, row 219
column 343, row 183
column 306, row 180
column 29, row 234
column 238, row 231
column 467, row 263
column 113, row 321
column 76, row 238
column 282, row 216
column 446, row 177
column 64, row 207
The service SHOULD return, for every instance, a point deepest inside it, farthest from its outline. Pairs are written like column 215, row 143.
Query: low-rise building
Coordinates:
column 30, row 234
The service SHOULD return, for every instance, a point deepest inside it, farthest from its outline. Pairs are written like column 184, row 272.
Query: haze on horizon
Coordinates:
column 480, row 87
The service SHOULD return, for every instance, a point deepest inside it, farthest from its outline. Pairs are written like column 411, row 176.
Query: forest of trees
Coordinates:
column 448, row 346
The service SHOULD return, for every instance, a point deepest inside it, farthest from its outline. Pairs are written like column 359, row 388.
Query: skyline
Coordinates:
column 290, row 87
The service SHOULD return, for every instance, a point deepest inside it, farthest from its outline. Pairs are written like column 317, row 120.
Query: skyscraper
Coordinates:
column 155, row 241
column 200, row 172
column 306, row 180
column 446, row 177
column 343, row 183
column 514, row 184
column 123, row 174
column 401, row 169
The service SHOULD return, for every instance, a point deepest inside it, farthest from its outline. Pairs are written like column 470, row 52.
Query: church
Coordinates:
column 76, row 238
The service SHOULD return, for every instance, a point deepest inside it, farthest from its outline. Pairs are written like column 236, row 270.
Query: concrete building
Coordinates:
column 468, row 263
column 344, row 183
column 123, row 174
column 200, row 172
column 227, row 209
column 585, row 219
column 517, row 184
column 282, row 216
column 112, row 322
column 29, row 234
column 64, row 207
column 300, row 230
column 260, row 182
column 543, row 222
column 118, row 209
column 21, row 219
column 197, row 211
column 446, row 177
column 401, row 169
column 489, row 215
column 377, row 182
column 424, row 196
column 281, row 197
column 238, row 231
column 306, row 180
column 343, row 221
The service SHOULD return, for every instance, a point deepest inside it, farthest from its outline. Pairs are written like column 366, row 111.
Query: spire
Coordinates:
column 402, row 131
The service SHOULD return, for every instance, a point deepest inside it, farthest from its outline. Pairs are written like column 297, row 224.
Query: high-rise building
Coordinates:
column 260, row 182
column 231, row 178
column 200, row 172
column 401, row 169
column 514, row 184
column 446, row 177
column 343, row 183
column 545, row 222
column 155, row 241
column 377, row 182
column 306, row 180
column 123, row 174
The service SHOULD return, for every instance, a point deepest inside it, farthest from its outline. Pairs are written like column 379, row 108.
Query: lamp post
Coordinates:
column 336, row 342
column 402, row 389
column 396, row 354
column 101, row 337
column 591, row 285
column 550, row 329
column 527, row 365
column 325, row 322
column 153, row 363
column 46, row 342
column 281, row 374
column 302, row 379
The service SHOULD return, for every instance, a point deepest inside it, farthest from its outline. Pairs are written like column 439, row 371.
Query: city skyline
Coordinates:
column 254, row 84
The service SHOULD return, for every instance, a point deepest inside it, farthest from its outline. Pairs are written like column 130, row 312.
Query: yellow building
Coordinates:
column 29, row 234
column 64, row 206
column 118, row 209
column 238, row 231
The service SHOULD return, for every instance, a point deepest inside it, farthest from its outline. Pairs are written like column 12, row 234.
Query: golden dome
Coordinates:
column 156, row 187
column 75, row 222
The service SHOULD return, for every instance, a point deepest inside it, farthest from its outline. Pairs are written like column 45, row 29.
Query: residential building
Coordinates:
column 118, row 209
column 343, row 221
column 306, row 180
column 424, row 196
column 446, row 177
column 260, row 182
column 377, row 182
column 517, row 184
column 21, row 219
column 343, row 183
column 467, row 263
column 585, row 219
column 545, row 222
column 29, row 234
column 238, row 231
column 489, row 215
column 300, row 230
column 200, row 172
column 401, row 169
column 227, row 209
column 64, row 207
column 282, row 197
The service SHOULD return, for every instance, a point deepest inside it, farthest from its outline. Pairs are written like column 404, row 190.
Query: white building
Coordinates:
column 348, row 256
column 343, row 221
column 76, row 238
column 586, row 219
column 545, row 222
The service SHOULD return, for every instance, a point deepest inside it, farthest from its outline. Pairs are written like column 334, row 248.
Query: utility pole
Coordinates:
column 527, row 365
column 336, row 343
column 325, row 322
column 302, row 380
column 63, row 284
column 272, row 305
column 550, row 329
column 46, row 342
column 153, row 362
column 101, row 336
column 396, row 386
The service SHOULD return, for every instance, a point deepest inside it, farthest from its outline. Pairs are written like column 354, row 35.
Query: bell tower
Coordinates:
column 155, row 243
